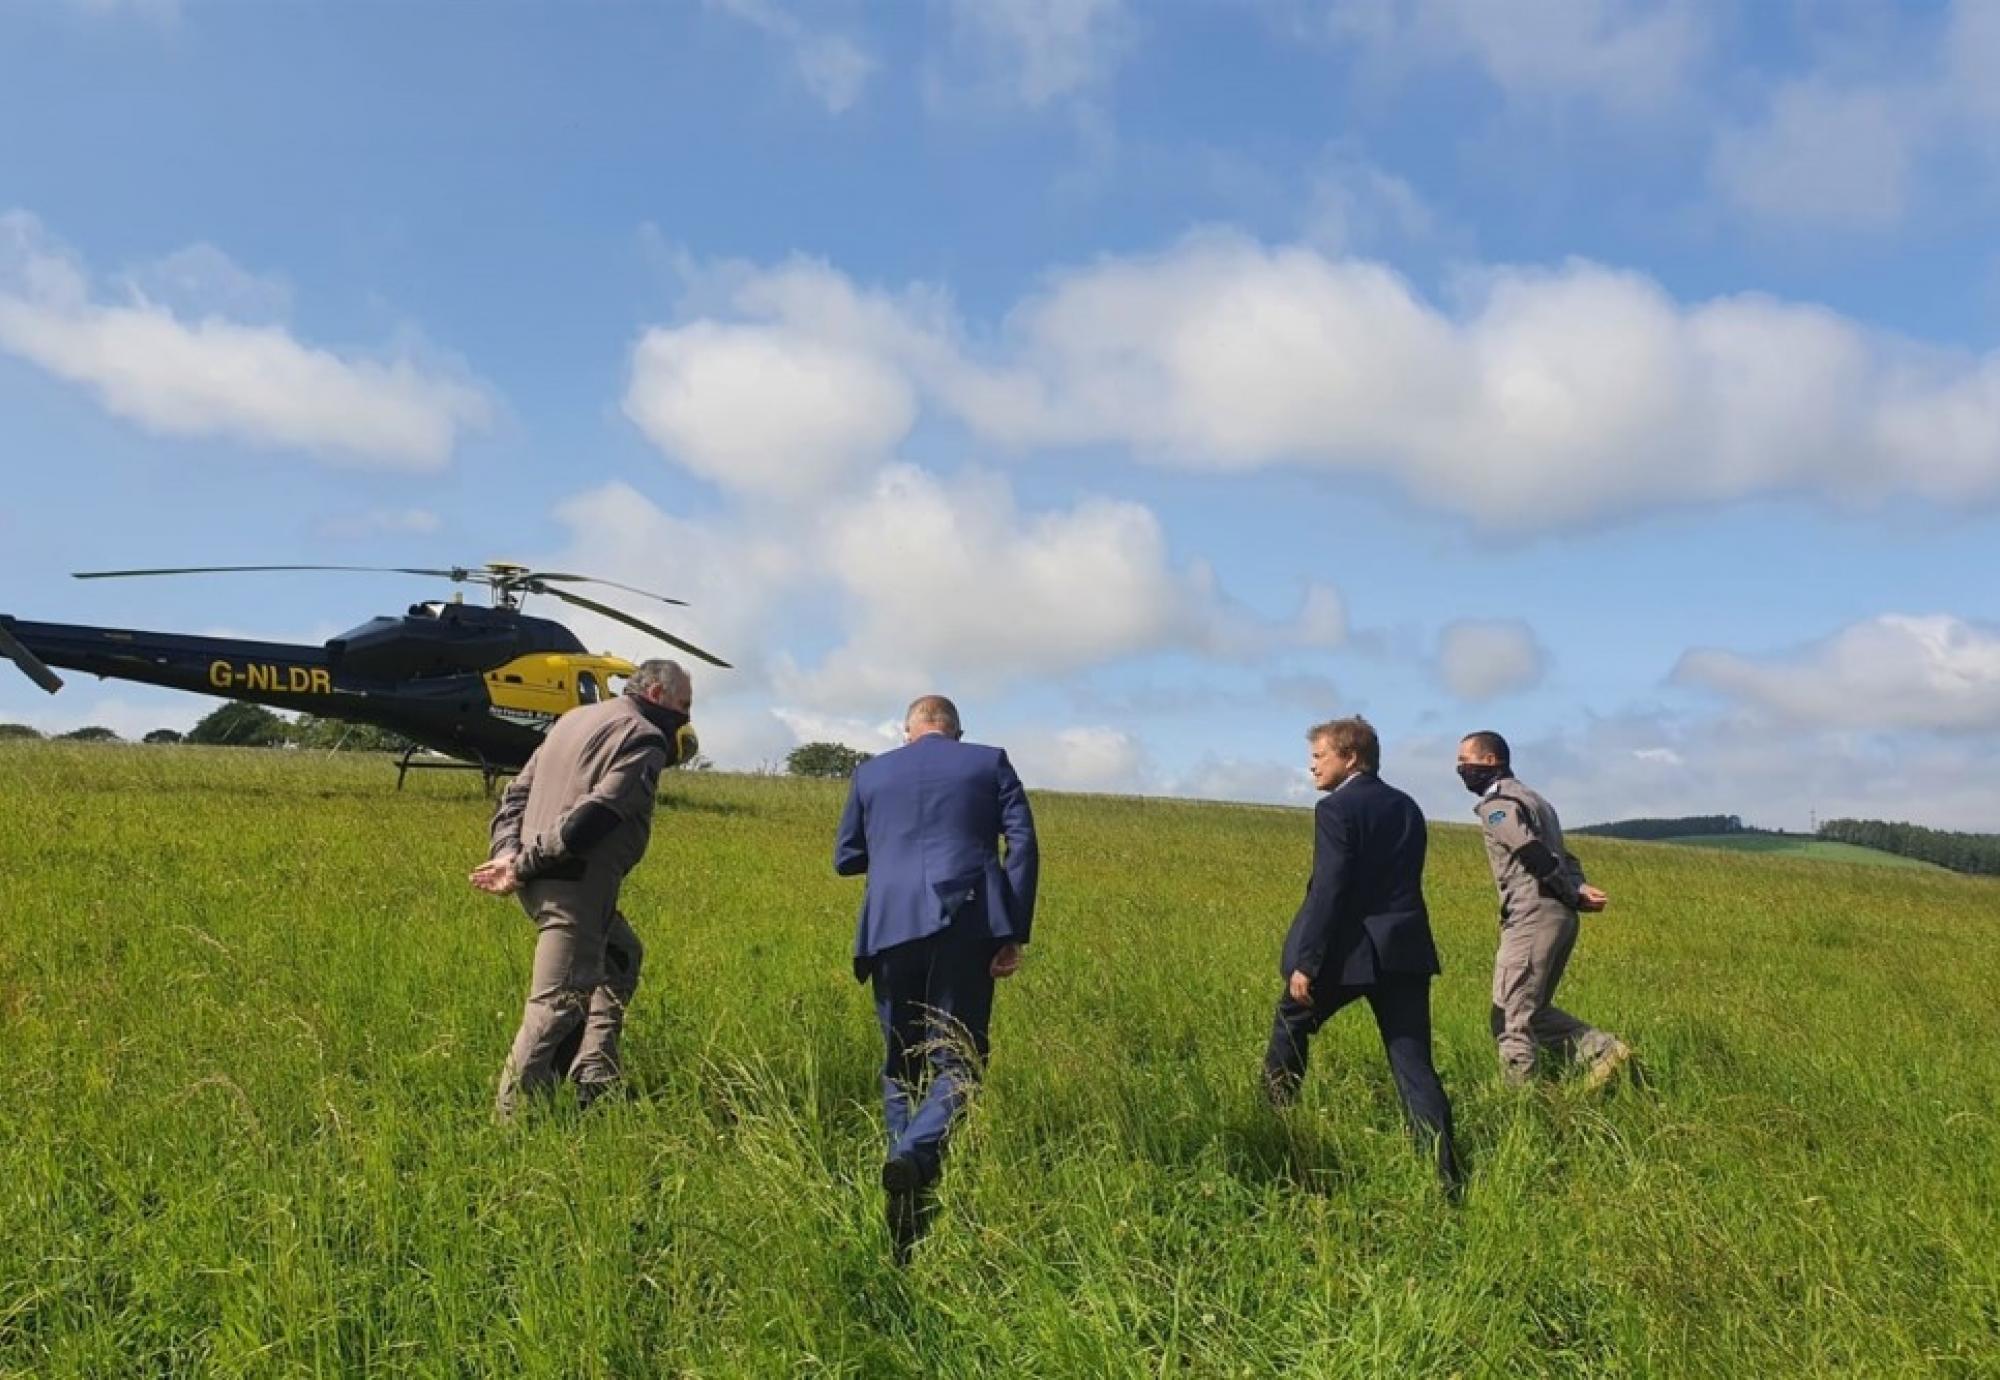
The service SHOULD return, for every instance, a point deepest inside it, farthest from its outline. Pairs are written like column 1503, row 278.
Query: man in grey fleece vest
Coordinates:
column 568, row 829
column 1541, row 888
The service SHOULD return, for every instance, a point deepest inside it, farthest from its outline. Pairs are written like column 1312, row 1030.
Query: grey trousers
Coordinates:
column 586, row 972
column 1534, row 950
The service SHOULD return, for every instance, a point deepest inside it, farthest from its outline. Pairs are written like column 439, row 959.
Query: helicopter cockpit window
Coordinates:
column 586, row 687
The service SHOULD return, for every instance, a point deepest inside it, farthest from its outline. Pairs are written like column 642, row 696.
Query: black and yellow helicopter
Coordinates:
column 477, row 683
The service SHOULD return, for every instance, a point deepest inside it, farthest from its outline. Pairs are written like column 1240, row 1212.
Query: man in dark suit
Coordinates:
column 944, row 915
column 1364, row 932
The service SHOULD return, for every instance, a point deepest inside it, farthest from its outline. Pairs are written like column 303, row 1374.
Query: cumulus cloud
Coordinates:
column 1483, row 659
column 1896, row 671
column 833, row 67
column 208, row 375
column 1250, row 780
column 765, row 411
column 1624, row 55
column 1540, row 397
column 1082, row 758
column 1775, row 774
column 951, row 578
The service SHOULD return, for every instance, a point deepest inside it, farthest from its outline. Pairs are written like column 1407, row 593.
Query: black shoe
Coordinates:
column 903, row 1185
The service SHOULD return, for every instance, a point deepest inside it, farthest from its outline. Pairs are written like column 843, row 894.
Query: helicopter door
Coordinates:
column 586, row 687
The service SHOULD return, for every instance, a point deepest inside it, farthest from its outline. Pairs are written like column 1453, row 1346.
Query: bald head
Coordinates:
column 931, row 714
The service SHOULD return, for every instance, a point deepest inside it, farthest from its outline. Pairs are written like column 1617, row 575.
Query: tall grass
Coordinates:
column 251, row 1016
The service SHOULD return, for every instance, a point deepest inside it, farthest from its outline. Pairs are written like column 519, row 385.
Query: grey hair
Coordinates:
column 936, row 711
column 671, row 678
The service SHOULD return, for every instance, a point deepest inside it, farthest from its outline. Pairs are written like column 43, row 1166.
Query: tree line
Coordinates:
column 1978, row 854
column 245, row 725
column 1681, row 827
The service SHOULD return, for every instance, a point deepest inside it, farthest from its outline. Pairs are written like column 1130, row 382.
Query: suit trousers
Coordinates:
column 934, row 1000
column 1402, row 1006
column 1534, row 950
column 586, row 972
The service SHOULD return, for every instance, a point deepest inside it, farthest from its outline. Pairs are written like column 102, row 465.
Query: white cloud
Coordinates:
column 1322, row 620
column 1083, row 758
column 1542, row 397
column 1483, row 659
column 833, row 67
column 951, row 579
column 763, row 410
column 1896, row 671
column 1625, row 55
column 1254, row 781
column 1354, row 206
column 1774, row 774
column 212, row 376
column 1825, row 154
column 1036, row 52
column 1846, row 146
column 863, row 735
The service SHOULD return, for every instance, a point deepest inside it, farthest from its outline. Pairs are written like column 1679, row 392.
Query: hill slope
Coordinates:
column 1804, row 848
column 253, row 1016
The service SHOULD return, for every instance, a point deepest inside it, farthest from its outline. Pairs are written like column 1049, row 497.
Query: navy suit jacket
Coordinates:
column 924, row 823
column 1364, row 911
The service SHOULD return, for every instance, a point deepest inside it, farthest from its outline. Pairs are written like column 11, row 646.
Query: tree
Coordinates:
column 19, row 731
column 89, row 733
column 162, row 735
column 241, row 725
column 824, row 759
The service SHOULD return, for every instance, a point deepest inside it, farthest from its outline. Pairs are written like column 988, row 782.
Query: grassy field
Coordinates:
column 252, row 1018
column 1804, row 847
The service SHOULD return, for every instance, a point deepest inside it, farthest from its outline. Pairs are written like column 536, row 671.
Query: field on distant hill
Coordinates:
column 252, row 1017
column 1804, row 847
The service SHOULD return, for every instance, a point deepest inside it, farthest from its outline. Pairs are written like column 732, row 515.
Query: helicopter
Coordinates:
column 479, row 684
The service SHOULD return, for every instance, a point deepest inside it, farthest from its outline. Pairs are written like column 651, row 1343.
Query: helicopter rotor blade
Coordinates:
column 629, row 621
column 456, row 573
column 613, row 584
column 30, row 664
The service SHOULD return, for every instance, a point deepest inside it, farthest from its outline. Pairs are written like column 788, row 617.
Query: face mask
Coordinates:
column 1477, row 776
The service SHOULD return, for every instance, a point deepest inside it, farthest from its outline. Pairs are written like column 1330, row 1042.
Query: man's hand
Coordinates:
column 1301, row 989
column 1591, row 898
column 1006, row 962
column 496, row 877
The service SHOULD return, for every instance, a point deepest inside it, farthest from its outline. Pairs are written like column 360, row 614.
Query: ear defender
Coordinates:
column 686, row 745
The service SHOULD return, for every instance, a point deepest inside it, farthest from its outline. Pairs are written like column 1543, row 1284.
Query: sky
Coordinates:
column 1156, row 380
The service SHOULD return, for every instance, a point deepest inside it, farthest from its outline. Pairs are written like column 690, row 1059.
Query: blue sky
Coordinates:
column 1158, row 379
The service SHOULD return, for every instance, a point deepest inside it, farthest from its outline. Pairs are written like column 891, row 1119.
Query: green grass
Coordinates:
column 251, row 1017
column 1805, row 847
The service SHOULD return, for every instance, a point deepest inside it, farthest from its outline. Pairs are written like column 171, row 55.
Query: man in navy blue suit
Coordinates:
column 1364, row 933
column 944, row 916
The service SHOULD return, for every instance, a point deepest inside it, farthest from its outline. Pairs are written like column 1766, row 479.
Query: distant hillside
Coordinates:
column 1978, row 854
column 1801, row 846
column 1678, row 827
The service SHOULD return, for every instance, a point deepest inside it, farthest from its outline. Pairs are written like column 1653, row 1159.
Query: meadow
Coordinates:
column 1801, row 846
column 251, row 1016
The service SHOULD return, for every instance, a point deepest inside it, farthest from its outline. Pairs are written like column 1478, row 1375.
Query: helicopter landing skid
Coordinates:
column 488, row 773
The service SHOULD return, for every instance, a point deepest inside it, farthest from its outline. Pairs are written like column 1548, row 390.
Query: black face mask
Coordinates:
column 1477, row 776
column 668, row 721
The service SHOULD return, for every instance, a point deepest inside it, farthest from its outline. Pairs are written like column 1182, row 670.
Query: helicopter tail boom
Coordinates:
column 31, row 665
